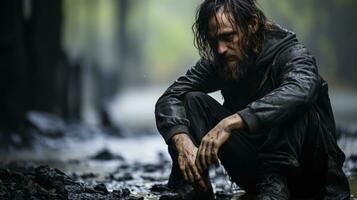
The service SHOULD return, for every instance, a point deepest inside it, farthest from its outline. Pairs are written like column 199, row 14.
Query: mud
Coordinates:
column 24, row 180
column 76, row 161
column 42, row 182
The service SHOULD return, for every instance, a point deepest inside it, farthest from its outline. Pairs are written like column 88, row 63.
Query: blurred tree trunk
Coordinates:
column 13, row 60
column 45, row 54
column 35, row 73
column 54, row 81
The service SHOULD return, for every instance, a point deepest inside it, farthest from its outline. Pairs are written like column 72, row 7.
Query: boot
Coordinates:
column 273, row 187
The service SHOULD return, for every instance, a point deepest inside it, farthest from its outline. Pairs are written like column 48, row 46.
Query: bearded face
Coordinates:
column 237, row 70
column 233, row 52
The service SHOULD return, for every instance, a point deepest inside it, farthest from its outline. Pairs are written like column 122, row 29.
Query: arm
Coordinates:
column 171, row 118
column 299, row 85
column 169, row 110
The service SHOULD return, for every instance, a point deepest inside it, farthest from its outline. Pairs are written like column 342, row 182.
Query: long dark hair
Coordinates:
column 241, row 12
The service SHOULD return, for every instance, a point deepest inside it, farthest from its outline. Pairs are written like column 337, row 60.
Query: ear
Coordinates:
column 253, row 26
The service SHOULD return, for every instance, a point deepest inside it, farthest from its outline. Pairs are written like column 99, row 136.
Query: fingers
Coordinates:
column 200, row 162
column 205, row 157
column 214, row 153
column 190, row 172
column 195, row 172
column 208, row 153
column 198, row 178
column 186, row 170
column 190, row 175
column 193, row 176
column 183, row 169
column 202, row 184
column 197, row 161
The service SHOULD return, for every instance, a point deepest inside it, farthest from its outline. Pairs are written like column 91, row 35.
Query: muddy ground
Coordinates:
column 76, row 161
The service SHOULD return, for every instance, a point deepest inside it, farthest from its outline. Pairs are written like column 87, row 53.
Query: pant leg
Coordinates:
column 237, row 155
column 301, row 149
column 295, row 149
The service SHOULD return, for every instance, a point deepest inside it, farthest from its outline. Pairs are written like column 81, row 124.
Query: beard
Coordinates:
column 240, row 69
column 232, row 72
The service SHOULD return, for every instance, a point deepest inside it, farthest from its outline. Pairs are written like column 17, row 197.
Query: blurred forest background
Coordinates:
column 77, row 75
column 106, row 62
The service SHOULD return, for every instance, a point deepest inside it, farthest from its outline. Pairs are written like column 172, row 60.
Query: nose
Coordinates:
column 222, row 48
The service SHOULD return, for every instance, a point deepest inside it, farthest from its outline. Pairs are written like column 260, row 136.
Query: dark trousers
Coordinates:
column 295, row 153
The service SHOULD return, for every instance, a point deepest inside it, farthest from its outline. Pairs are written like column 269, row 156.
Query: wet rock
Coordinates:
column 4, row 194
column 84, row 176
column 127, row 176
column 49, row 183
column 124, row 177
column 101, row 188
column 171, row 196
column 105, row 154
column 159, row 188
column 223, row 195
column 123, row 167
column 136, row 198
column 125, row 192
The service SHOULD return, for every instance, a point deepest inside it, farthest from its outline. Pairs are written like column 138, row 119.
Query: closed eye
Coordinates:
column 226, row 37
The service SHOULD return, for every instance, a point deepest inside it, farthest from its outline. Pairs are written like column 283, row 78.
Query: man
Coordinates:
column 274, row 134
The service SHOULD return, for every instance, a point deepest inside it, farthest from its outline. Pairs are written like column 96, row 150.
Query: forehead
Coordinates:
column 220, row 23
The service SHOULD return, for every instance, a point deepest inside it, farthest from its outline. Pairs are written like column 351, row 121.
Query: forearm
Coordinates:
column 170, row 113
column 233, row 122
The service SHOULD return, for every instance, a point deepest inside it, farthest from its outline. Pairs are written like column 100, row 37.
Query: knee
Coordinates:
column 194, row 100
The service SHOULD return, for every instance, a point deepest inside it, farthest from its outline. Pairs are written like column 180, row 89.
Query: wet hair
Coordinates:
column 241, row 15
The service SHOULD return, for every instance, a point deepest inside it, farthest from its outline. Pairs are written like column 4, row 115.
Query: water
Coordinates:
column 145, row 161
column 145, row 157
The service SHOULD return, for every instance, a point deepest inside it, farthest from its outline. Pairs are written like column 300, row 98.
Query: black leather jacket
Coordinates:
column 283, row 85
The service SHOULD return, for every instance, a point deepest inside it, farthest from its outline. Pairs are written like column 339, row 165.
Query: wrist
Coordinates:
column 233, row 122
column 180, row 137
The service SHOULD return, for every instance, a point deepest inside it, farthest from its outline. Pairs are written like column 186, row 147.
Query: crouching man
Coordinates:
column 275, row 132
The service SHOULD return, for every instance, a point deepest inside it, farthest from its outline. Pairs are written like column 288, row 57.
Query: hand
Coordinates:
column 187, row 153
column 213, row 140
column 210, row 144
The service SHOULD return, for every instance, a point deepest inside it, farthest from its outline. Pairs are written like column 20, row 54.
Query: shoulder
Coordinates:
column 293, row 55
column 291, row 49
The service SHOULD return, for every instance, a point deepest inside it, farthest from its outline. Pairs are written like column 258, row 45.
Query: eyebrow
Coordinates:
column 223, row 34
column 227, row 33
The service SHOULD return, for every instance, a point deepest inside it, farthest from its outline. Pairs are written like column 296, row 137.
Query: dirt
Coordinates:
column 42, row 182
column 24, row 180
column 82, row 162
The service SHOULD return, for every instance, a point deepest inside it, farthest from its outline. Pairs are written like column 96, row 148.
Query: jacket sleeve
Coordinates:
column 298, row 87
column 169, row 109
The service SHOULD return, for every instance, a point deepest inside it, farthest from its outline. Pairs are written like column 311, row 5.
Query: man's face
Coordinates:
column 227, row 45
